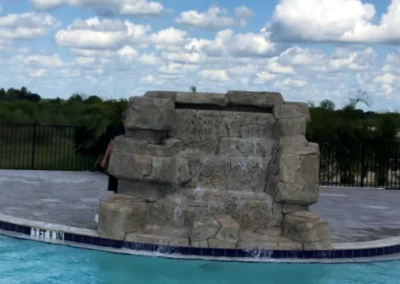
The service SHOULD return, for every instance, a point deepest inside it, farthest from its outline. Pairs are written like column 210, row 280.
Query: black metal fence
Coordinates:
column 47, row 147
column 360, row 164
column 42, row 147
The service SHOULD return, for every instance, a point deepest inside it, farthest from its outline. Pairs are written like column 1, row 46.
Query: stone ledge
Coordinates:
column 382, row 250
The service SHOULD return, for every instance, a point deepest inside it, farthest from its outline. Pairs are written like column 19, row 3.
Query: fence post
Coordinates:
column 363, row 168
column 33, row 146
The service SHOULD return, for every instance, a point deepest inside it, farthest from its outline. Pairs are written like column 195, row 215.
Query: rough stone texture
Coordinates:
column 306, row 227
column 149, row 136
column 128, row 145
column 295, row 140
column 219, row 232
column 119, row 215
column 218, row 165
column 258, row 99
column 304, row 109
column 290, row 127
column 202, row 98
column 287, row 111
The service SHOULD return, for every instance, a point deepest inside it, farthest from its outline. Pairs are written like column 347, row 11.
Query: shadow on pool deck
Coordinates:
column 71, row 198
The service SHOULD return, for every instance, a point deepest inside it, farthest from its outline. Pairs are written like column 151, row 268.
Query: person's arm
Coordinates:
column 107, row 154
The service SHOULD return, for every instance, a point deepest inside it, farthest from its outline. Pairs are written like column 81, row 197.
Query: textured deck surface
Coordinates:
column 71, row 198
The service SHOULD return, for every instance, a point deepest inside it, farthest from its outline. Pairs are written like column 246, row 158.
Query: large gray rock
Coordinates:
column 161, row 94
column 202, row 98
column 130, row 166
column 147, row 191
column 218, row 232
column 287, row 111
column 119, row 215
column 150, row 114
column 304, row 109
column 241, row 147
column 258, row 99
column 148, row 136
column 306, row 227
column 170, row 147
column 290, row 127
column 292, row 193
column 216, row 167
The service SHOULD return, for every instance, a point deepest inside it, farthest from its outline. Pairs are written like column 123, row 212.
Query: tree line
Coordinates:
column 330, row 125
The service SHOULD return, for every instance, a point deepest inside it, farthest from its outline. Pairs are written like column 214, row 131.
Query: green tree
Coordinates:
column 327, row 104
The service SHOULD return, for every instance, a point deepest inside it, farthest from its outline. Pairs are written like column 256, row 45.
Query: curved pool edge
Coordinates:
column 369, row 251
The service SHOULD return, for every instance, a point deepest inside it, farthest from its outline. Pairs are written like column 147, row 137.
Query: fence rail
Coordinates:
column 41, row 147
column 360, row 164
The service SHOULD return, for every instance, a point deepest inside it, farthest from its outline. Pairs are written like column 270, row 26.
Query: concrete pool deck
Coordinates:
column 72, row 198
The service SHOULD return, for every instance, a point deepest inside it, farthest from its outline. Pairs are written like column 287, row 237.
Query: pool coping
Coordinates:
column 368, row 251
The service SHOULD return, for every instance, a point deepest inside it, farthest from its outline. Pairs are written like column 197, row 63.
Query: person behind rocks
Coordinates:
column 117, row 130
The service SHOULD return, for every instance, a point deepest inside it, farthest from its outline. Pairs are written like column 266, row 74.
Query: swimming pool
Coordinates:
column 29, row 262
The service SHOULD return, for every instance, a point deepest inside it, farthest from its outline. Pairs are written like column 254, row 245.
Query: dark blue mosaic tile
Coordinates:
column 301, row 254
column 196, row 251
column 76, row 238
column 165, row 249
column 219, row 252
column 9, row 227
column 129, row 245
column 290, row 254
column 141, row 247
column 385, row 250
column 266, row 253
column 373, row 252
column 358, row 253
column 27, row 230
column 365, row 253
column 329, row 254
column 397, row 249
column 230, row 252
column 339, row 254
column 185, row 250
column 308, row 254
column 87, row 240
column 1, row 225
column 276, row 254
column 111, row 243
column 18, row 229
column 379, row 251
column 319, row 254
column 68, row 237
column 241, row 253
column 96, row 241
column 348, row 253
column 207, row 252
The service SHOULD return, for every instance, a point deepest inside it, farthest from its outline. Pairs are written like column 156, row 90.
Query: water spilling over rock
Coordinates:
column 227, row 170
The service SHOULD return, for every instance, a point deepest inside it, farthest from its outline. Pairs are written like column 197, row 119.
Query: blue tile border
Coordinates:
column 210, row 252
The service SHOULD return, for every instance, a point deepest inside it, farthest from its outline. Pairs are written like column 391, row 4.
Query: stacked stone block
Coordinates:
column 218, row 170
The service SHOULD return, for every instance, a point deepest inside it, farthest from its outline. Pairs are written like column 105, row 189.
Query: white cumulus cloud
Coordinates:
column 211, row 19
column 26, row 25
column 215, row 75
column 115, row 7
column 334, row 21
column 100, row 34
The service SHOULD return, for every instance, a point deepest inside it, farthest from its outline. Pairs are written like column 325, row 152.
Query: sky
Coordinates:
column 309, row 50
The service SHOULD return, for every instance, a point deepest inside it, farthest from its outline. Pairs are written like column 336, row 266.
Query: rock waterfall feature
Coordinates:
column 215, row 170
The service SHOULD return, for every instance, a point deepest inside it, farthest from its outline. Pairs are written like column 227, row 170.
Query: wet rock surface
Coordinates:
column 190, row 159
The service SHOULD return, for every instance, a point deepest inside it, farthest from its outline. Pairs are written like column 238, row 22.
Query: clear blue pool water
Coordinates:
column 28, row 262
